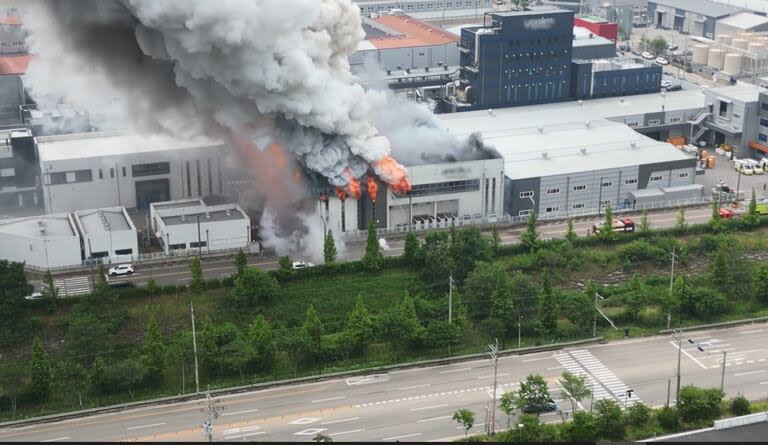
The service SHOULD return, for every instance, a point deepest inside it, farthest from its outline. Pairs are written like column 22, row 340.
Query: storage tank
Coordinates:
column 762, row 39
column 740, row 43
column 732, row 64
column 700, row 53
column 725, row 39
column 757, row 48
column 715, row 58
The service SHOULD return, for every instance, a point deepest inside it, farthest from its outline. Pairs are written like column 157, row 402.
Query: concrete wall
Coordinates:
column 412, row 57
column 49, row 252
column 232, row 234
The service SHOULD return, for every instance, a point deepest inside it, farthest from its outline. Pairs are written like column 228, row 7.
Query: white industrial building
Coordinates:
column 191, row 226
column 42, row 242
column 108, row 233
column 92, row 170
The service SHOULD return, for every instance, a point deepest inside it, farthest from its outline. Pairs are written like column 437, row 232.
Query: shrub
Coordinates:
column 638, row 415
column 637, row 252
column 708, row 303
column 740, row 406
column 699, row 404
column 668, row 418
column 609, row 419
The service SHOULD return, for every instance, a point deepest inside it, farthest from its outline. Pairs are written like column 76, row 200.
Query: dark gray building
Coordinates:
column 695, row 17
column 20, row 184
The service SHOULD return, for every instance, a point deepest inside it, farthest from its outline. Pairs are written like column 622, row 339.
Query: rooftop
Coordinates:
column 744, row 20
column 704, row 7
column 534, row 10
column 179, row 204
column 743, row 92
column 403, row 31
column 14, row 64
column 585, row 37
column 99, row 144
column 188, row 215
column 113, row 219
column 41, row 226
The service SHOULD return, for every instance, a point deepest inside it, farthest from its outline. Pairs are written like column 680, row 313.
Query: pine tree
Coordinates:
column 50, row 291
column 752, row 217
column 452, row 232
column 495, row 240
column 645, row 226
column 154, row 351
column 360, row 325
column 570, row 234
column 197, row 285
column 97, row 377
column 329, row 248
column 372, row 258
column 547, row 320
column 262, row 343
column 412, row 247
column 241, row 262
column 681, row 225
column 40, row 371
column 606, row 231
column 716, row 223
column 312, row 331
column 531, row 237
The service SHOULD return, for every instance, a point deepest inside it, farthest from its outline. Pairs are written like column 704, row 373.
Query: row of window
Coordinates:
column 470, row 185
column 653, row 122
column 138, row 170
column 426, row 6
column 605, row 184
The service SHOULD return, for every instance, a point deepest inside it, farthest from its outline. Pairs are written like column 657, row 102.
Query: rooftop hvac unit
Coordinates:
column 229, row 212
column 583, row 151
column 545, row 155
column 184, row 218
column 541, row 129
column 208, row 215
column 633, row 145
column 588, row 124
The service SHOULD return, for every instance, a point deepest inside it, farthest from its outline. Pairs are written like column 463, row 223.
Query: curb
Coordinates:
column 286, row 382
column 723, row 324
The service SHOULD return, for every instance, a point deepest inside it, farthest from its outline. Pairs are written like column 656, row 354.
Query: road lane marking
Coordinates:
column 434, row 418
column 241, row 430
column 331, row 422
column 243, row 436
column 184, row 279
column 310, row 431
column 329, row 399
column 748, row 373
column 145, row 426
column 455, row 370
column 347, row 432
column 427, row 407
column 555, row 368
column 764, row 383
column 688, row 355
column 489, row 376
column 56, row 439
column 402, row 437
column 754, row 331
column 241, row 412
column 413, row 387
column 304, row 420
column 537, row 359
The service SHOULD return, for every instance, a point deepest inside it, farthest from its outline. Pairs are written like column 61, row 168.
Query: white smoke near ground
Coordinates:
column 305, row 243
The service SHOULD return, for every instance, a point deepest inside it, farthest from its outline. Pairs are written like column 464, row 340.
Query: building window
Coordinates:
column 195, row 244
column 189, row 181
column 524, row 212
column 607, row 184
column 674, row 120
column 631, row 181
column 112, row 173
column 210, row 179
column 762, row 137
column 199, row 181
column 723, row 110
column 656, row 178
column 605, row 203
column 125, row 172
column 180, row 246
column 7, row 172
column 764, row 106
column 528, row 194
column 578, row 206
column 124, row 252
column 70, row 177
column 101, row 174
column 632, row 124
column 83, row 176
column 654, row 122
column 764, row 122
column 470, row 185
column 683, row 175
column 553, row 191
column 552, row 209
column 151, row 169
column 579, row 188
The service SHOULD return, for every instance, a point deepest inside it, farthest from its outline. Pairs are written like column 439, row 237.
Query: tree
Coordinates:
column 312, row 331
column 440, row 333
column 13, row 288
column 285, row 265
column 495, row 240
column 329, row 248
column 526, row 293
column 468, row 248
column 533, row 392
column 154, row 352
column 579, row 308
column 635, row 298
column 638, row 414
column 699, row 404
column 508, row 403
column 412, row 253
column 50, row 291
column 486, row 279
column 680, row 224
column 673, row 304
column 152, row 287
column 610, row 419
column 530, row 237
column 97, row 377
column 125, row 374
column 752, row 217
column 645, row 226
column 729, row 272
column 400, row 326
column 575, row 388
column 197, row 284
column 262, row 344
column 360, row 325
column 373, row 257
column 254, row 287
column 241, row 262
column 570, row 234
column 760, row 283
column 659, row 45
column 583, row 428
column 740, row 406
column 40, row 372
column 438, row 261
column 716, row 223
column 547, row 319
column 466, row 418
column 503, row 308
column 606, row 230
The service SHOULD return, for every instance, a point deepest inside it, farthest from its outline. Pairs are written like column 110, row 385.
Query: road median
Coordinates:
column 723, row 324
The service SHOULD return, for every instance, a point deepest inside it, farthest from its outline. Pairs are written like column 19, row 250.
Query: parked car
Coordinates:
column 121, row 284
column 34, row 296
column 672, row 47
column 662, row 61
column 666, row 83
column 674, row 87
column 123, row 269
column 545, row 407
column 639, row 24
column 647, row 55
column 301, row 265
column 625, row 47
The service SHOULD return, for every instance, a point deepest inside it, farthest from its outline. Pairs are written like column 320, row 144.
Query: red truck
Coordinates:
column 618, row 225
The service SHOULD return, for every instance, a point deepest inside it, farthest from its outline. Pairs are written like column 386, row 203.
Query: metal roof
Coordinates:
column 743, row 92
column 188, row 215
column 704, row 7
column 40, row 227
column 744, row 20
column 112, row 219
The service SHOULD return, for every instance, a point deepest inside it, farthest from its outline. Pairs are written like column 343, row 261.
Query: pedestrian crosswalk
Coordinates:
column 72, row 286
column 602, row 381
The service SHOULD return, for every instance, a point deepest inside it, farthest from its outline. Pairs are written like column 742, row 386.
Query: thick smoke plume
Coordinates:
column 273, row 71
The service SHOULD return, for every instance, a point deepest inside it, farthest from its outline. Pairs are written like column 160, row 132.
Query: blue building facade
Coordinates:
column 521, row 58
column 625, row 82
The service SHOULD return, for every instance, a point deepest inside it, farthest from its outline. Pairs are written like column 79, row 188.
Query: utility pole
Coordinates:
column 494, row 353
column 594, row 322
column 679, row 354
column 199, row 240
column 450, row 305
column 194, row 347
column 213, row 411
column 519, row 328
column 671, row 281
column 722, row 375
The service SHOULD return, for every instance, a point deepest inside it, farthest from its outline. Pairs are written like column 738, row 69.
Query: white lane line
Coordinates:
column 241, row 412
column 413, row 387
column 347, row 432
column 428, row 407
column 490, row 376
column 434, row 418
column 329, row 399
column 455, row 370
column 754, row 331
column 145, row 426
column 56, row 439
column 555, row 367
column 748, row 373
column 243, row 436
column 537, row 359
column 688, row 355
column 764, row 383
column 402, row 437
column 331, row 422
column 184, row 279
column 241, row 430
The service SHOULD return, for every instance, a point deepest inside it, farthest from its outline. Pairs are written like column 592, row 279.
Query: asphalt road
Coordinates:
column 417, row 404
column 218, row 268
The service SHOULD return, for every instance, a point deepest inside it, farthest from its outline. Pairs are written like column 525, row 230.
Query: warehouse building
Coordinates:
column 428, row 9
column 20, row 181
column 42, row 242
column 733, row 118
column 107, row 234
column 743, row 22
column 84, row 171
column 188, row 225
column 694, row 17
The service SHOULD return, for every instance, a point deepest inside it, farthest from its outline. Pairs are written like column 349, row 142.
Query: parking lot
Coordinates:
column 724, row 172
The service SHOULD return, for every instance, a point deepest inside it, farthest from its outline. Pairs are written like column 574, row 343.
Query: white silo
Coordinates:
column 700, row 53
column 732, row 64
column 763, row 40
column 757, row 48
column 725, row 39
column 740, row 43
column 715, row 58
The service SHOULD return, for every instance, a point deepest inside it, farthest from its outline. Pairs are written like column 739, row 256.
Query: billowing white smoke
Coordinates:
column 215, row 63
column 305, row 243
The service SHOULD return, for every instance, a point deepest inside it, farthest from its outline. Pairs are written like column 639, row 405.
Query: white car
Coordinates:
column 647, row 55
column 301, row 265
column 123, row 269
column 666, row 83
column 662, row 61
column 34, row 296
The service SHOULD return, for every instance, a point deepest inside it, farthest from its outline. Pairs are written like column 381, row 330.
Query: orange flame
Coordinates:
column 342, row 195
column 353, row 185
column 373, row 188
column 394, row 174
